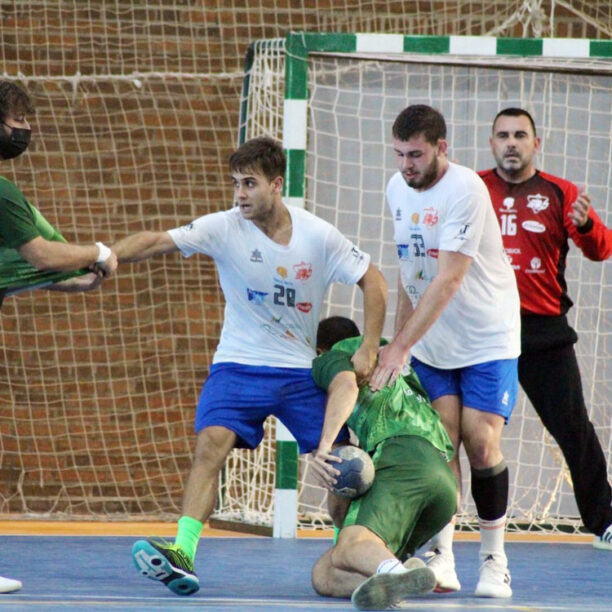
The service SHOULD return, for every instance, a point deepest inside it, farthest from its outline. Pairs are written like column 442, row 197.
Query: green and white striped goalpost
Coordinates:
column 297, row 48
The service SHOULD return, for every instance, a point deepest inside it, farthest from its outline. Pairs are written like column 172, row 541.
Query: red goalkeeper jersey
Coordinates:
column 535, row 227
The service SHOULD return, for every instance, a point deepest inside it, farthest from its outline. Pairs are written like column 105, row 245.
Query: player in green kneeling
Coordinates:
column 414, row 493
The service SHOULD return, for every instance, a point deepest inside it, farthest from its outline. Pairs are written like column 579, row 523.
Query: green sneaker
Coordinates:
column 159, row 560
column 382, row 591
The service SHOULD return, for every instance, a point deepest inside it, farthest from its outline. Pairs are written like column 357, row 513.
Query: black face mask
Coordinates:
column 14, row 144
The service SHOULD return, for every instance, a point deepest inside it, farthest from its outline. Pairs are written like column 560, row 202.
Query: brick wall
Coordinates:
column 97, row 391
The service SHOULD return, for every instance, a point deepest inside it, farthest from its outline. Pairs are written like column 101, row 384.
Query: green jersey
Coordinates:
column 20, row 222
column 400, row 410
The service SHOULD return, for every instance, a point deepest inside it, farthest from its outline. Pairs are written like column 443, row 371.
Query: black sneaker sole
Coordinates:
column 383, row 590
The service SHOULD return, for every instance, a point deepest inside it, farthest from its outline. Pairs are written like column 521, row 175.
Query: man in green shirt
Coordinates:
column 33, row 254
column 414, row 493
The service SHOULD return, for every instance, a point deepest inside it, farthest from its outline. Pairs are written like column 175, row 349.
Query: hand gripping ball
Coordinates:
column 356, row 471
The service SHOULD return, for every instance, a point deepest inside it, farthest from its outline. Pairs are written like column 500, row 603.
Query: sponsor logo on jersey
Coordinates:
column 536, row 266
column 188, row 228
column 277, row 332
column 256, row 256
column 508, row 204
column 356, row 253
column 257, row 297
column 430, row 217
column 303, row 271
column 411, row 290
column 433, row 253
column 514, row 266
column 537, row 202
column 403, row 251
column 462, row 233
column 282, row 271
column 513, row 251
column 420, row 275
column 398, row 214
column 533, row 226
column 304, row 307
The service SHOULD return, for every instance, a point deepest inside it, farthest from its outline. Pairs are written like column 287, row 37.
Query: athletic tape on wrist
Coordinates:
column 103, row 252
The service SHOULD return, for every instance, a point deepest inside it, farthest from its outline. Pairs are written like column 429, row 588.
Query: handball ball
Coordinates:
column 356, row 471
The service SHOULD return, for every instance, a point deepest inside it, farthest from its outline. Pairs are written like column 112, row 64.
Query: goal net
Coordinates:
column 344, row 92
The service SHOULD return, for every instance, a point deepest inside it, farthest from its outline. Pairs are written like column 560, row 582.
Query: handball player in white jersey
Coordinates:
column 458, row 318
column 275, row 264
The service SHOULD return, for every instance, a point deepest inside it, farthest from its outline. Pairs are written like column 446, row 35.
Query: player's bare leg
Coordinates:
column 362, row 567
column 172, row 564
column 213, row 445
column 481, row 437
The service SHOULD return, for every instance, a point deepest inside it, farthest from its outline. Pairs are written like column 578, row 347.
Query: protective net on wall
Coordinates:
column 138, row 108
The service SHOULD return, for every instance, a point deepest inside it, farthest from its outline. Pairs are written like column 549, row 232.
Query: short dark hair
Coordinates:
column 263, row 154
column 334, row 329
column 514, row 112
column 419, row 119
column 14, row 100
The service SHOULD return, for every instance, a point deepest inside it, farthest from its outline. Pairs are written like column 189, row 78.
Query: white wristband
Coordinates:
column 103, row 252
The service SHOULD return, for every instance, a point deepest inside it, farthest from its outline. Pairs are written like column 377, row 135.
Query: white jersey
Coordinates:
column 273, row 293
column 482, row 321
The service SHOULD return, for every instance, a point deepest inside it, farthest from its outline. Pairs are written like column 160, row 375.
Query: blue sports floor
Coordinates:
column 255, row 573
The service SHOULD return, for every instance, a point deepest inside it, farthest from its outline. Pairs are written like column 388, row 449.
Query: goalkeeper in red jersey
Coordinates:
column 539, row 214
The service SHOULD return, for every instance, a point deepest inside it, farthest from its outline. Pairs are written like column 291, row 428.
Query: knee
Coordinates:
column 483, row 449
column 213, row 444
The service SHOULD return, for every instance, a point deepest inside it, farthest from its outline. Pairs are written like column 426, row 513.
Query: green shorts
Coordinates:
column 413, row 496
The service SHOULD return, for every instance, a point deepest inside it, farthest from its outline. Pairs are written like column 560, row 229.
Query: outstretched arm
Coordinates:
column 375, row 295
column 65, row 257
column 452, row 267
column 143, row 245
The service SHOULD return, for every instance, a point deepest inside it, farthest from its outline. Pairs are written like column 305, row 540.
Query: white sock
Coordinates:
column 492, row 538
column 443, row 540
column 390, row 566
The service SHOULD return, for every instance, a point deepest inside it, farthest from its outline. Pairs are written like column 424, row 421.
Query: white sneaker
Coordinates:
column 8, row 585
column 494, row 579
column 604, row 541
column 413, row 563
column 443, row 566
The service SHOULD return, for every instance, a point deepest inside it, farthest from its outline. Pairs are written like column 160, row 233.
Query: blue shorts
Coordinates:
column 240, row 398
column 491, row 386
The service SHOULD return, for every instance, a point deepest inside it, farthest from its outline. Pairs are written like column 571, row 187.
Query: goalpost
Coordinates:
column 332, row 98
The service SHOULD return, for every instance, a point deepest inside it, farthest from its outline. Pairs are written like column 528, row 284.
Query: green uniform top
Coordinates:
column 20, row 222
column 400, row 410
